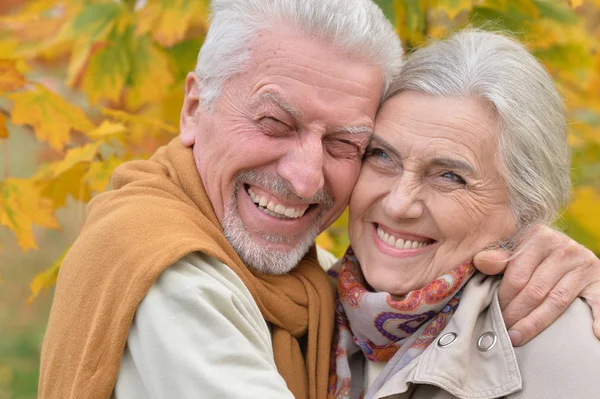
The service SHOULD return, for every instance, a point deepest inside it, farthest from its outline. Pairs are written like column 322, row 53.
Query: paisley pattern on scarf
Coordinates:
column 378, row 325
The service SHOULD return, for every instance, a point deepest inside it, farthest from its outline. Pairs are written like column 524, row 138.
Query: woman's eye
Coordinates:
column 379, row 159
column 376, row 153
column 454, row 177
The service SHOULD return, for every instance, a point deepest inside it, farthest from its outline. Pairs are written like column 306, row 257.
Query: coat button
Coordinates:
column 447, row 339
column 487, row 341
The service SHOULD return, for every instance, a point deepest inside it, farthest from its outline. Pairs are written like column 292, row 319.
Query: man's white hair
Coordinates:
column 357, row 27
column 533, row 153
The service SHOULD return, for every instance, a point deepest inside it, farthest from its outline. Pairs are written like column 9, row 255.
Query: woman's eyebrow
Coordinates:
column 454, row 164
column 380, row 141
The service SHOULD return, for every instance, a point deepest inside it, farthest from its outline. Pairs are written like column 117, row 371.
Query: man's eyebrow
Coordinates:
column 453, row 163
column 355, row 129
column 279, row 101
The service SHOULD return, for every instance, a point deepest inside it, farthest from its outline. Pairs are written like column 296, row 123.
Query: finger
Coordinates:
column 517, row 275
column 545, row 278
column 491, row 261
column 559, row 298
column 591, row 293
column 596, row 313
column 536, row 244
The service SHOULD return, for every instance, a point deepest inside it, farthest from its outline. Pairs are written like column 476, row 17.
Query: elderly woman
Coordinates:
column 469, row 150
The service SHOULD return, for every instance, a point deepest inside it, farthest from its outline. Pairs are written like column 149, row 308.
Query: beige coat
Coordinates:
column 563, row 362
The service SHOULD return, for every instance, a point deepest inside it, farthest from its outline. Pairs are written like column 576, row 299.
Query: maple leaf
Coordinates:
column 108, row 129
column 60, row 179
column 452, row 7
column 169, row 22
column 21, row 205
column 51, row 117
column 584, row 210
column 107, row 70
column 45, row 279
column 100, row 172
column 10, row 77
column 150, row 74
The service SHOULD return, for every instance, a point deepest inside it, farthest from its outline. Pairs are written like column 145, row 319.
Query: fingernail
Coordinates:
column 515, row 337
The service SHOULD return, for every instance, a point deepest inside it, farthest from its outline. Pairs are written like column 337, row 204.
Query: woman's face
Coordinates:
column 430, row 194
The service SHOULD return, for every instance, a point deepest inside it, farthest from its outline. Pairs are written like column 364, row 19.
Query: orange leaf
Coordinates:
column 10, row 77
column 3, row 129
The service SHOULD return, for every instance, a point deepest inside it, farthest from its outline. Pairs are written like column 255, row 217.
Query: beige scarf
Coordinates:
column 158, row 213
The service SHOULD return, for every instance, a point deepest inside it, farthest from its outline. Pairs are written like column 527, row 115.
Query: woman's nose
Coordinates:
column 404, row 199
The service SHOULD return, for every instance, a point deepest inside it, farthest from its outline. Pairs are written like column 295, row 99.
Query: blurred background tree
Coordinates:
column 88, row 84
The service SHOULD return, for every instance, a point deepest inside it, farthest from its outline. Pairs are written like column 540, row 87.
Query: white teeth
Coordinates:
column 399, row 242
column 276, row 210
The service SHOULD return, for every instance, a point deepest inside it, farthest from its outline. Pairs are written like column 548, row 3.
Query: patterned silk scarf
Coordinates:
column 378, row 325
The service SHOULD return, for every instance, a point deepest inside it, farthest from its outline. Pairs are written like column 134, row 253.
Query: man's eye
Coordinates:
column 454, row 177
column 274, row 127
column 342, row 148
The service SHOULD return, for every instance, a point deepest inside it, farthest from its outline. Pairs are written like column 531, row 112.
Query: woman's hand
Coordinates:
column 542, row 281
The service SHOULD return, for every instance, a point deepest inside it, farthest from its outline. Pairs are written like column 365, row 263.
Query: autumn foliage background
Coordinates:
column 87, row 85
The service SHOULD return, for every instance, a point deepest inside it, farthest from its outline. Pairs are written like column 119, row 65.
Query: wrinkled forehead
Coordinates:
column 426, row 127
column 314, row 77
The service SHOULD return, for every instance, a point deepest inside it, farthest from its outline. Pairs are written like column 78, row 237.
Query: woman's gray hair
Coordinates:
column 533, row 154
column 357, row 27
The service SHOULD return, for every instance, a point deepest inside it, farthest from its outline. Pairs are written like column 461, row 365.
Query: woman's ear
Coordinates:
column 188, row 123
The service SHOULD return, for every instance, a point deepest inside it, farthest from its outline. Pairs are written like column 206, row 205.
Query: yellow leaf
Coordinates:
column 51, row 117
column 75, row 156
column 70, row 183
column 575, row 3
column 452, row 7
column 168, row 22
column 107, row 129
column 100, row 172
column 10, row 77
column 149, row 124
column 60, row 179
column 21, row 205
column 585, row 210
column 325, row 241
column 3, row 128
column 151, row 76
column 45, row 279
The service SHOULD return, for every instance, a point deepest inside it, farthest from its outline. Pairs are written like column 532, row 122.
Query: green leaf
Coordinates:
column 96, row 20
column 108, row 69
column 556, row 11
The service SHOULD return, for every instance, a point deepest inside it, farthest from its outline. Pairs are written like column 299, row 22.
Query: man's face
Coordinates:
column 281, row 150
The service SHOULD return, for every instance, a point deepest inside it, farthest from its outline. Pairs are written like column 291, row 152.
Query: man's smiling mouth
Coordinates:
column 273, row 208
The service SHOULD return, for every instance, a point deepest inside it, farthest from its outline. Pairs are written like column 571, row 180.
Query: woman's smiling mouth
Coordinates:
column 401, row 241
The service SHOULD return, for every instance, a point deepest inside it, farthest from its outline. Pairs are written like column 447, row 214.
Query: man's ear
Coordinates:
column 189, row 111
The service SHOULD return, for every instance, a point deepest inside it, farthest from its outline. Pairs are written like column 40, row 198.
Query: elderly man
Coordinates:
column 198, row 275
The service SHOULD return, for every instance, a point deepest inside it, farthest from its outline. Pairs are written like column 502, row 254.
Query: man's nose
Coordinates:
column 404, row 199
column 302, row 166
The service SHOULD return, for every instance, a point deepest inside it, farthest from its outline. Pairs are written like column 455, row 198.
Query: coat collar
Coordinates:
column 472, row 357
